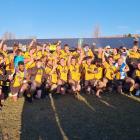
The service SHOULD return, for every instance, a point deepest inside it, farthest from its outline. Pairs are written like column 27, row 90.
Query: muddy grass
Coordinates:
column 114, row 117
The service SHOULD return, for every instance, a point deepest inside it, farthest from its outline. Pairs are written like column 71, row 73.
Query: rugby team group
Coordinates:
column 37, row 72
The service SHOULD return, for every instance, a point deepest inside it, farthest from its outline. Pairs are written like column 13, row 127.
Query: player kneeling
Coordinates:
column 19, row 82
column 136, row 77
column 62, row 71
column 51, row 76
column 89, row 71
column 124, row 83
column 74, row 75
column 101, row 82
column 4, row 78
column 37, row 83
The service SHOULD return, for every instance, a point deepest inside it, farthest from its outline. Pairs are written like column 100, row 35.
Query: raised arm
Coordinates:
column 81, row 58
column 32, row 42
column 1, row 43
column 103, row 56
column 43, row 49
column 69, row 60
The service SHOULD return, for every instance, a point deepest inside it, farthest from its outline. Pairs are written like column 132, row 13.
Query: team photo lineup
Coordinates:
column 54, row 69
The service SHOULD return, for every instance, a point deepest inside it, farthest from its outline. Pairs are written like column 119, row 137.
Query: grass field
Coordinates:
column 114, row 117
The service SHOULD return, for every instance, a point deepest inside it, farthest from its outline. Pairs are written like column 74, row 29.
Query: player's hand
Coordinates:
column 10, row 77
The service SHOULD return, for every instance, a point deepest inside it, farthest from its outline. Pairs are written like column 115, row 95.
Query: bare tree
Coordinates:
column 8, row 35
column 97, row 31
column 32, row 37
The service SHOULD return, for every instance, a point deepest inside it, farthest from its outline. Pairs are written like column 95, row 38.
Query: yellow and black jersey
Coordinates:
column 89, row 71
column 51, row 77
column 18, row 79
column 57, row 54
column 63, row 72
column 74, row 72
column 65, row 55
column 30, row 64
column 3, row 76
column 40, row 75
column 116, row 57
column 135, row 55
column 39, row 55
column 99, row 74
column 136, row 73
column 89, row 53
column 109, row 71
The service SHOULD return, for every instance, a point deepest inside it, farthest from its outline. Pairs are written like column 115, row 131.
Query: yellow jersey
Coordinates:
column 39, row 75
column 137, row 73
column 109, row 71
column 65, row 55
column 99, row 74
column 89, row 53
column 89, row 71
column 75, row 72
column 116, row 57
column 52, row 76
column 29, row 64
column 133, row 54
column 63, row 72
column 18, row 79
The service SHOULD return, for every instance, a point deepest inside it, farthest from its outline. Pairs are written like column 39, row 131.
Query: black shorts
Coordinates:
column 89, row 82
column 5, row 83
column 110, row 83
column 126, row 87
column 137, row 80
column 119, row 82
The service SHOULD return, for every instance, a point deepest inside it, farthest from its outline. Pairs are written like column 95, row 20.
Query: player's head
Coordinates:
column 62, row 62
column 21, row 65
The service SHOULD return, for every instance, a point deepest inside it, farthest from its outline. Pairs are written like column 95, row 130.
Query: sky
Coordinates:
column 69, row 18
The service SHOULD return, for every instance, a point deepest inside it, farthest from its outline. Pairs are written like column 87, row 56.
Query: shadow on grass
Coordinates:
column 38, row 121
column 112, row 119
column 65, row 118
